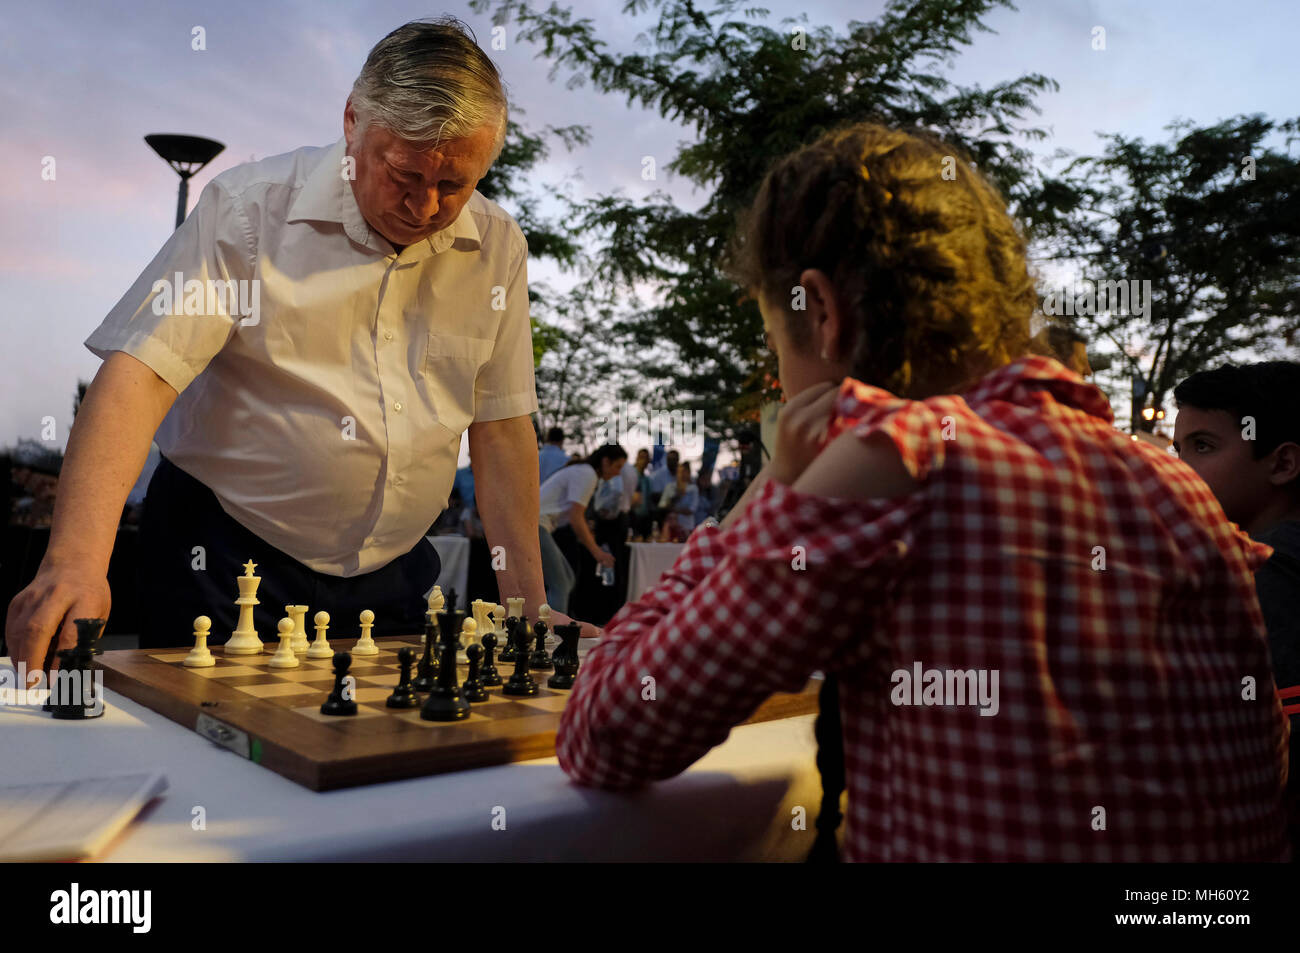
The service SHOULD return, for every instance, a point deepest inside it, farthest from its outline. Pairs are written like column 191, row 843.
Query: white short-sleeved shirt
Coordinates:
column 561, row 490
column 330, row 426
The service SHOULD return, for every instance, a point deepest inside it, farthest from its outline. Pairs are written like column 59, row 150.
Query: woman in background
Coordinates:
column 563, row 528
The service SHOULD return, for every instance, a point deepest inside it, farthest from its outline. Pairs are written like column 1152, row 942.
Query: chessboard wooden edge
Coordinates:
column 298, row 750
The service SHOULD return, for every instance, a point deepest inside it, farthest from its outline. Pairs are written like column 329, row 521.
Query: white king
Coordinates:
column 244, row 640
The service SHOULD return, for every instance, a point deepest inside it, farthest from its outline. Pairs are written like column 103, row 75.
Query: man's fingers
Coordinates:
column 37, row 631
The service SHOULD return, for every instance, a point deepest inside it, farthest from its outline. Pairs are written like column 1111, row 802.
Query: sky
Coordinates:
column 83, row 82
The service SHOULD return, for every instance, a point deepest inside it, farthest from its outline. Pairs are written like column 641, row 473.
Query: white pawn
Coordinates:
column 320, row 648
column 284, row 657
column 366, row 644
column 200, row 656
column 468, row 629
column 499, row 619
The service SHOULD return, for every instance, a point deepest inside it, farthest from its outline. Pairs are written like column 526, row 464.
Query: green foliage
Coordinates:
column 751, row 95
column 1221, row 250
column 521, row 153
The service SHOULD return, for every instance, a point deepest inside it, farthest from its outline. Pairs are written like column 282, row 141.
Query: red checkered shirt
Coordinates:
column 1126, row 728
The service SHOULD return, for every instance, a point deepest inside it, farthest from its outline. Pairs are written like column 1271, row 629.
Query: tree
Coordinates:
column 578, row 370
column 752, row 93
column 1211, row 219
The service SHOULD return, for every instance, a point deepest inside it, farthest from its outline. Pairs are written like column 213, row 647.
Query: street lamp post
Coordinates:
column 186, row 155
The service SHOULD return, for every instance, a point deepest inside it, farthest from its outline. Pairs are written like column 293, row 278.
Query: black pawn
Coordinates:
column 76, row 699
column 82, row 701
column 445, row 702
column 540, row 659
column 404, row 694
column 88, row 632
column 428, row 670
column 489, row 676
column 566, row 656
column 336, row 704
column 508, row 650
column 473, row 690
column 521, row 683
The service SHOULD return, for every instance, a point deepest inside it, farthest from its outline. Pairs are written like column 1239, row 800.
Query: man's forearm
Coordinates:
column 503, row 454
column 106, row 452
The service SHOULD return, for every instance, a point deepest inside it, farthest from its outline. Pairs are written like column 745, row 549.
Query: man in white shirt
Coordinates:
column 313, row 341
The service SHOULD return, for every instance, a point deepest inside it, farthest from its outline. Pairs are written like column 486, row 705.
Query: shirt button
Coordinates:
column 388, row 335
column 397, row 406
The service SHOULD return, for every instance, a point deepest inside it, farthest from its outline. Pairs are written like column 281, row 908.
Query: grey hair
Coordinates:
column 429, row 81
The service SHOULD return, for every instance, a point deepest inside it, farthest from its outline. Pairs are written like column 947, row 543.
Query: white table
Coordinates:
column 649, row 561
column 453, row 552
column 735, row 803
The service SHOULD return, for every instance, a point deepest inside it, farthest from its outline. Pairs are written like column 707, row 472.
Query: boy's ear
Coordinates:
column 1285, row 469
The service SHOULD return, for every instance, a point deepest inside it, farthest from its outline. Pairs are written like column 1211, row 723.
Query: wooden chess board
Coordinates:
column 272, row 716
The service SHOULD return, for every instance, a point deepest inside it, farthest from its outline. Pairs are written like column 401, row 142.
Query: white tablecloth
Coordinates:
column 647, row 563
column 735, row 803
column 453, row 551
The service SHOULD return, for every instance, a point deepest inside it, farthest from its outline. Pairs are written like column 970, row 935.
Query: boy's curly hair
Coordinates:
column 931, row 269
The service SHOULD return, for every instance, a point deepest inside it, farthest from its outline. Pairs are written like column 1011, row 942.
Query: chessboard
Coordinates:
column 272, row 716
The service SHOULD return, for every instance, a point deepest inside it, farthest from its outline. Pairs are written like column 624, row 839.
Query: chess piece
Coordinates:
column 566, row 656
column 336, row 703
column 320, row 648
column 244, row 640
column 449, row 622
column 468, row 631
column 299, row 616
column 200, row 656
column 508, row 651
column 473, row 690
column 96, row 629
column 428, row 669
column 499, row 620
column 445, row 702
column 366, row 644
column 540, row 659
column 482, row 616
column 488, row 675
column 520, row 683
column 435, row 601
column 516, row 606
column 284, row 656
column 72, row 688
column 404, row 694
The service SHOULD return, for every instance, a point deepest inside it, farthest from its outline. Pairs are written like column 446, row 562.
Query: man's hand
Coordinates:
column 800, row 431
column 589, row 631
column 45, row 609
column 605, row 559
column 106, row 451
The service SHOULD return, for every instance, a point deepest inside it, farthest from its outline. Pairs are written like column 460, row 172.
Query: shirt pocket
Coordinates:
column 451, row 365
